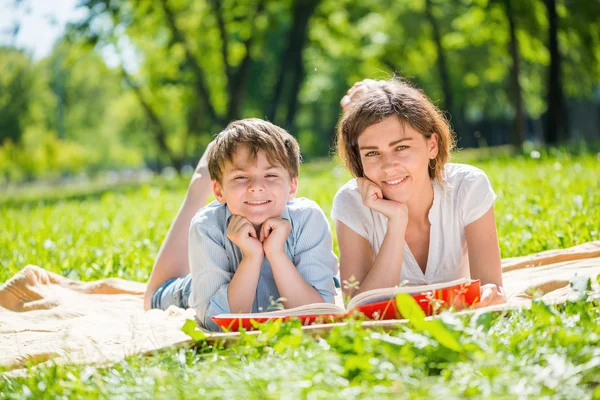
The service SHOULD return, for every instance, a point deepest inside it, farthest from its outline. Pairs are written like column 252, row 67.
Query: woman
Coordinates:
column 396, row 144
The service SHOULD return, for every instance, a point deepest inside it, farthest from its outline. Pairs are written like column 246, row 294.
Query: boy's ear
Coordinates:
column 218, row 192
column 432, row 145
column 293, row 188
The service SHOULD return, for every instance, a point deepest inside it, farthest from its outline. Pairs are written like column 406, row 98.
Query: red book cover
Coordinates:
column 456, row 295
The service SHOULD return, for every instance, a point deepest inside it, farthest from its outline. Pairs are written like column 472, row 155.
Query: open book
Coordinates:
column 375, row 304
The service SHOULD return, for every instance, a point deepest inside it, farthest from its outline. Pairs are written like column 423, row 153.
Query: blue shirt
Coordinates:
column 214, row 258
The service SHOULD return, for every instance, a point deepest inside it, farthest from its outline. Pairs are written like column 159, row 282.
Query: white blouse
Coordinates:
column 465, row 196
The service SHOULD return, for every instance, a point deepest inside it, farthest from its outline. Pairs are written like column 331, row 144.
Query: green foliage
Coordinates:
column 181, row 70
column 522, row 355
column 548, row 351
column 118, row 232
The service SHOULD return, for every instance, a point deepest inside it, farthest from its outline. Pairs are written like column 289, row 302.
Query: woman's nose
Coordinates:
column 388, row 163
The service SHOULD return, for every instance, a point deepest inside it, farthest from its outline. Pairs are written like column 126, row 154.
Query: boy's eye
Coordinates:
column 239, row 177
column 271, row 176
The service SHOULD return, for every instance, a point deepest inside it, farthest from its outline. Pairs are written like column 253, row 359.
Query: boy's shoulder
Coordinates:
column 301, row 205
column 302, row 210
column 211, row 215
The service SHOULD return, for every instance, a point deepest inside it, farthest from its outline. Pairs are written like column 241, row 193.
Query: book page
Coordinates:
column 309, row 309
column 377, row 295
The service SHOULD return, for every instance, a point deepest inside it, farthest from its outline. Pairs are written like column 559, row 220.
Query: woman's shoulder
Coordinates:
column 457, row 173
column 348, row 191
column 470, row 190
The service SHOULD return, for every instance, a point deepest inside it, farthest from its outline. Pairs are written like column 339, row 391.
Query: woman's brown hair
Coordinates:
column 393, row 97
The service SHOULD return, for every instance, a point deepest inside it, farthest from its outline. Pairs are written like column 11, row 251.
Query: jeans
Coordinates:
column 174, row 291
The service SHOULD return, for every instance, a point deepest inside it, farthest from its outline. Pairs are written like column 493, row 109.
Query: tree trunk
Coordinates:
column 556, row 124
column 192, row 63
column 238, row 81
column 442, row 64
column 157, row 128
column 291, row 61
column 518, row 136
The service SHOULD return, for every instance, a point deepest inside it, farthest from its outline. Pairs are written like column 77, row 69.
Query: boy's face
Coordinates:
column 255, row 190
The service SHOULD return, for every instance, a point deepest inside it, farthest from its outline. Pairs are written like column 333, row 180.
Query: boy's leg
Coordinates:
column 174, row 291
column 172, row 259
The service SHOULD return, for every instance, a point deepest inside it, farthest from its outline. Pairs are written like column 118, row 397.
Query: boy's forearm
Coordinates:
column 290, row 284
column 242, row 288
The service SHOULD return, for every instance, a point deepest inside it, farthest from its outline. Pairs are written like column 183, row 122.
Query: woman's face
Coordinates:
column 395, row 156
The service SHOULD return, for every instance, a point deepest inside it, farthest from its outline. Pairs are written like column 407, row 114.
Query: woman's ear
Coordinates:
column 218, row 192
column 432, row 145
column 293, row 188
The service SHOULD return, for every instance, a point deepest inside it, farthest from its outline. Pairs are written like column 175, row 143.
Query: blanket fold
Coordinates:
column 46, row 316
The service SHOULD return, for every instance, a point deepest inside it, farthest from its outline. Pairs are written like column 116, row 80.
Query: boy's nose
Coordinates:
column 256, row 185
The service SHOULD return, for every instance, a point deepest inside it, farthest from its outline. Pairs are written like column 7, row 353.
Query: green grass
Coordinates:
column 545, row 203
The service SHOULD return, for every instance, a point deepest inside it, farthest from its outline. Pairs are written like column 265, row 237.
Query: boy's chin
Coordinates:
column 258, row 220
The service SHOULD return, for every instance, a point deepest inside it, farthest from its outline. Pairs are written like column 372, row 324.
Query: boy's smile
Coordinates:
column 255, row 189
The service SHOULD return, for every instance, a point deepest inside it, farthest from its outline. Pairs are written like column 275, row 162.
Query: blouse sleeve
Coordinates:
column 349, row 209
column 475, row 196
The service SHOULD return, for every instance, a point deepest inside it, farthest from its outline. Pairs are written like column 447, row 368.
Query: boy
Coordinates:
column 256, row 243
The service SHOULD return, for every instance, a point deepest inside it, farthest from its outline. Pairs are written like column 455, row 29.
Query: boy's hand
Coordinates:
column 372, row 197
column 273, row 233
column 241, row 232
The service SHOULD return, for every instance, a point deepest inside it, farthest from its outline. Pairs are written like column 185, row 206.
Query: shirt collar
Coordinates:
column 434, row 211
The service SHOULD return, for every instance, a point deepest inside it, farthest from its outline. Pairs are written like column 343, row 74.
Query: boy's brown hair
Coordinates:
column 279, row 146
column 393, row 97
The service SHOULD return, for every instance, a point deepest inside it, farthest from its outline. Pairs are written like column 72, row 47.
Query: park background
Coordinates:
column 144, row 84
column 106, row 106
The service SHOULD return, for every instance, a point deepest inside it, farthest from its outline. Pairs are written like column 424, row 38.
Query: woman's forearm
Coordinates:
column 387, row 267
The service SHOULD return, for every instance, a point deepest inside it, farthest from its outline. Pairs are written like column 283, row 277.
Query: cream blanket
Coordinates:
column 46, row 316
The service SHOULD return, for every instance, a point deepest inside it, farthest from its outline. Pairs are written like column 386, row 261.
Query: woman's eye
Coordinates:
column 371, row 154
column 401, row 147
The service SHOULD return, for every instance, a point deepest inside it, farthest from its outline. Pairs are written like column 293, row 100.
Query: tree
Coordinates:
column 515, row 77
column 17, row 90
column 556, row 126
column 203, row 53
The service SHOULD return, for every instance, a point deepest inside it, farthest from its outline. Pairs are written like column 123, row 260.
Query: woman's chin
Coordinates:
column 397, row 197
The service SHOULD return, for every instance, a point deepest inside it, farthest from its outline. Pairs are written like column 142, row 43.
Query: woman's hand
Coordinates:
column 357, row 91
column 491, row 294
column 372, row 197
